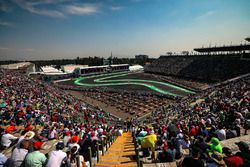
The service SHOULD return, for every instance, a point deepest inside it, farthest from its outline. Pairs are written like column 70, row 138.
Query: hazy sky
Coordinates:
column 54, row 29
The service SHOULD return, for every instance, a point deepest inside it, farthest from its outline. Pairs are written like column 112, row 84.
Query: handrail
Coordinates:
column 105, row 144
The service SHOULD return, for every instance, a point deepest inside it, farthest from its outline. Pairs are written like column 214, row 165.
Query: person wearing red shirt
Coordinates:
column 28, row 127
column 230, row 159
column 193, row 131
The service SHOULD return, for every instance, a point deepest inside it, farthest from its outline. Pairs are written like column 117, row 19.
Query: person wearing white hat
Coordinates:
column 27, row 136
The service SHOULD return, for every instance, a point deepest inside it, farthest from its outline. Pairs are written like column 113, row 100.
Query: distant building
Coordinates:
column 24, row 67
column 141, row 57
column 106, row 62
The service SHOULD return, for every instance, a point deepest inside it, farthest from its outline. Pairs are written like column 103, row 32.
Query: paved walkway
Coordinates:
column 120, row 154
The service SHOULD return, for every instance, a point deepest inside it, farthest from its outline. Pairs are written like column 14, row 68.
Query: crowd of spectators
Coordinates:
column 33, row 113
column 203, row 68
column 199, row 123
column 186, row 83
column 24, row 99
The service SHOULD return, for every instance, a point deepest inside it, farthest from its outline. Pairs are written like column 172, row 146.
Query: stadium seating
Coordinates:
column 200, row 67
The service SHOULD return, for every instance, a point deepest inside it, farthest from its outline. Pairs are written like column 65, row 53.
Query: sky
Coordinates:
column 66, row 29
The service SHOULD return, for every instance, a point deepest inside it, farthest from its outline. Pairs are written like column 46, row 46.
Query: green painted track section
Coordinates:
column 104, row 80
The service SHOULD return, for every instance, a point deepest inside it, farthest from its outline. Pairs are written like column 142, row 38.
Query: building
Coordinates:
column 24, row 67
column 141, row 57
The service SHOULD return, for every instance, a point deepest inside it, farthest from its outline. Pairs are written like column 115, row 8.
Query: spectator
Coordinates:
column 85, row 143
column 168, row 155
column 29, row 137
column 56, row 157
column 11, row 128
column 120, row 132
column 193, row 161
column 28, row 127
column 75, row 137
column 19, row 153
column 244, row 152
column 202, row 146
column 74, row 142
column 3, row 158
column 93, row 136
column 216, row 160
column 221, row 133
column 230, row 159
column 73, row 158
column 215, row 145
column 149, row 141
column 185, row 142
column 8, row 139
column 36, row 158
column 53, row 134
column 66, row 138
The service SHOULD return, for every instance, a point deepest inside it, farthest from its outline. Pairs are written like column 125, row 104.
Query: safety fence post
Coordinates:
column 97, row 151
column 137, row 156
column 102, row 147
column 90, row 157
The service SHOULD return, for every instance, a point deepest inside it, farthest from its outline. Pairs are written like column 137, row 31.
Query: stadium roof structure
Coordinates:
column 224, row 48
column 51, row 70
column 69, row 68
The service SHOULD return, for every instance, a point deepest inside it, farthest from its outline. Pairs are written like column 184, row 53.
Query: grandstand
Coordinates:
column 213, row 64
column 220, row 112
column 93, row 70
column 222, row 49
column 24, row 67
column 162, row 129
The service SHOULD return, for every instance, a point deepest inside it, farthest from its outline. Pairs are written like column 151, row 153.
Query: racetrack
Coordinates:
column 123, row 81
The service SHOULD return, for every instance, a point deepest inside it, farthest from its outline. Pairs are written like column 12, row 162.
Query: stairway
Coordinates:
column 120, row 154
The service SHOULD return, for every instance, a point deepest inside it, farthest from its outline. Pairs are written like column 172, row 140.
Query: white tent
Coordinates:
column 135, row 68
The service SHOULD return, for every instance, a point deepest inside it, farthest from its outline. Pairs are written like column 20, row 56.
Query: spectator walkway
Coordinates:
column 120, row 154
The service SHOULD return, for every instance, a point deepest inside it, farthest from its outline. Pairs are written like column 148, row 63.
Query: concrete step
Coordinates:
column 120, row 154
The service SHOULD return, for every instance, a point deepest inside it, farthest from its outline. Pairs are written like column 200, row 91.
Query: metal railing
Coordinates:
column 102, row 145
